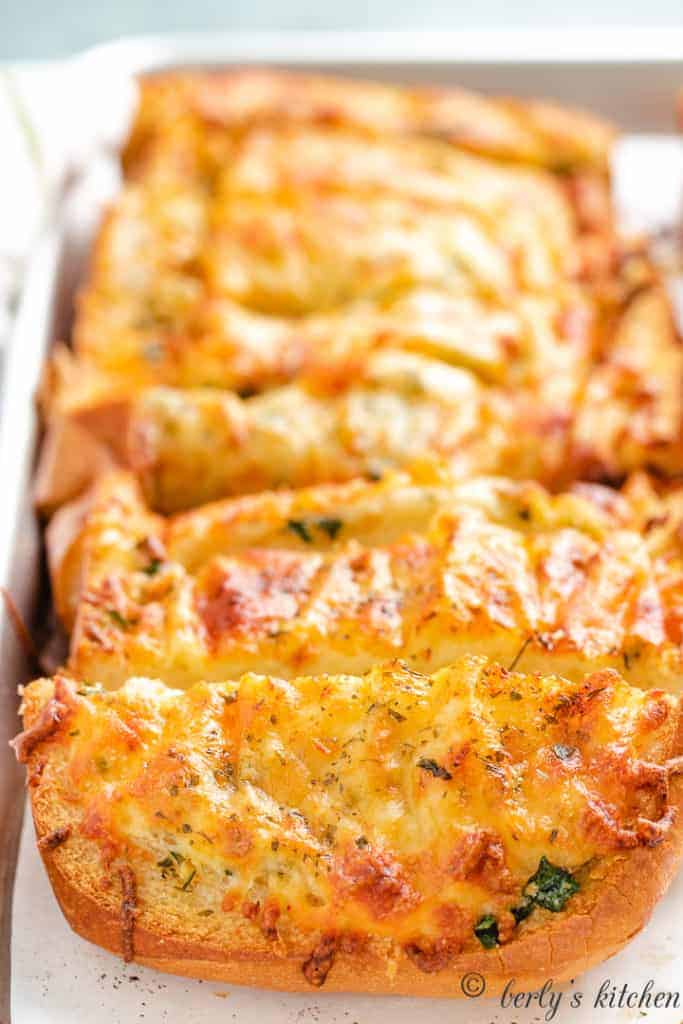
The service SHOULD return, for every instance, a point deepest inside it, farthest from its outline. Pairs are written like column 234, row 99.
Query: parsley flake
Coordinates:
column 437, row 770
column 486, row 930
column 330, row 526
column 299, row 527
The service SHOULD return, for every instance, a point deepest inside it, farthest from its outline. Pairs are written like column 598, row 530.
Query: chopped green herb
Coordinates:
column 188, row 880
column 396, row 715
column 299, row 527
column 551, row 886
column 361, row 842
column 515, row 695
column 205, row 913
column 152, row 567
column 177, row 857
column 523, row 909
column 486, row 930
column 437, row 770
column 167, row 862
column 303, row 528
column 186, row 827
column 330, row 526
column 75, row 732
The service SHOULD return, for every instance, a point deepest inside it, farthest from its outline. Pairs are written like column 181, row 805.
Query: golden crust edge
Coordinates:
column 551, row 121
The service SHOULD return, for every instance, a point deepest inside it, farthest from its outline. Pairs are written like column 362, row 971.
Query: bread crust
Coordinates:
column 537, row 131
column 71, row 458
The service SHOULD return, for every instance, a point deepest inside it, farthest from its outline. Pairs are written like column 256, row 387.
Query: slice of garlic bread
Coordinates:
column 386, row 833
column 337, row 578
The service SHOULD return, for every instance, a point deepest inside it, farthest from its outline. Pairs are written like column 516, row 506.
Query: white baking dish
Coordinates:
column 52, row 975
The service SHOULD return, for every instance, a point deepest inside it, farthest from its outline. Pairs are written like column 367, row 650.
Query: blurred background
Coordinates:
column 38, row 29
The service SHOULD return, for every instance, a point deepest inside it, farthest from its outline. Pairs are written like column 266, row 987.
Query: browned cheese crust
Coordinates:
column 307, row 280
column 169, row 913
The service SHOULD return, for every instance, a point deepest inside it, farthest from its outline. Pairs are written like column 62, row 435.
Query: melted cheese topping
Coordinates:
column 339, row 578
column 395, row 804
column 189, row 448
column 264, row 278
column 311, row 245
column 306, row 233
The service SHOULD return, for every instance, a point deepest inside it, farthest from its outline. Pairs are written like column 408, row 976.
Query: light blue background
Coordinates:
column 55, row 28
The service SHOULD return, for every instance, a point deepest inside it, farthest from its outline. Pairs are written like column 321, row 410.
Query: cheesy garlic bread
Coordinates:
column 387, row 833
column 340, row 578
column 306, row 254
column 387, row 410
column 373, row 671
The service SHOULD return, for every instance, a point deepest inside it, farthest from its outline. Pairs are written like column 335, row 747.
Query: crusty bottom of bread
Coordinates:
column 617, row 904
